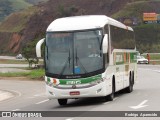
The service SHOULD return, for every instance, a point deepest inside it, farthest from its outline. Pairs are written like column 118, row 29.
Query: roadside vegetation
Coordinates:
column 4, row 61
column 154, row 58
column 36, row 74
column 30, row 54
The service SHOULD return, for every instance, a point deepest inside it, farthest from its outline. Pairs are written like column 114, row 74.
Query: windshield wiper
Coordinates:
column 67, row 61
column 77, row 59
column 47, row 52
column 69, row 58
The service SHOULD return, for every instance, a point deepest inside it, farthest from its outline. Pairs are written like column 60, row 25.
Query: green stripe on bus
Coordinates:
column 48, row 80
column 82, row 80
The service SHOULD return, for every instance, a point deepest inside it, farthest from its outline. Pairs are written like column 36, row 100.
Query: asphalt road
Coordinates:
column 30, row 96
column 6, row 68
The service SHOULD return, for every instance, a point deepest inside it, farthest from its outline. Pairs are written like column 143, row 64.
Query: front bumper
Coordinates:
column 100, row 89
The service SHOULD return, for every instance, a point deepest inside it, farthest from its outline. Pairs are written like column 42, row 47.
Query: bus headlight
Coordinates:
column 97, row 81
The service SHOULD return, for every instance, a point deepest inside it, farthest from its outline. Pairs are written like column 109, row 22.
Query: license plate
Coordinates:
column 75, row 93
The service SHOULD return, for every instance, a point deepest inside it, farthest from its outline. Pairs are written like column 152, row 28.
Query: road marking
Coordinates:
column 141, row 105
column 156, row 71
column 42, row 94
column 5, row 94
column 106, row 103
column 19, row 93
column 115, row 98
column 110, row 101
column 31, row 97
column 150, row 69
column 42, row 101
column 16, row 110
column 69, row 118
column 37, row 95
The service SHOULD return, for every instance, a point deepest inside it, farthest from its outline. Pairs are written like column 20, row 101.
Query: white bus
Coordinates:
column 88, row 56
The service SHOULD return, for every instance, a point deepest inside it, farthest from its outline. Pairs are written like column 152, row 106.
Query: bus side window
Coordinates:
column 106, row 29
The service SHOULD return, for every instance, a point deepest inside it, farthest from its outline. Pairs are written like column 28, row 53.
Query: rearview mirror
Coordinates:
column 105, row 44
column 38, row 47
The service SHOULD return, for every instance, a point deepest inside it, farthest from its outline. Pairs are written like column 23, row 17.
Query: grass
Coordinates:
column 36, row 74
column 130, row 10
column 153, row 56
column 35, row 1
column 155, row 59
column 3, row 61
column 135, row 9
column 7, row 61
column 19, row 4
column 14, row 74
column 33, row 74
column 10, row 6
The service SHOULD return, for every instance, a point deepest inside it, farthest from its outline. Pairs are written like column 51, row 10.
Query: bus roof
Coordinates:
column 83, row 22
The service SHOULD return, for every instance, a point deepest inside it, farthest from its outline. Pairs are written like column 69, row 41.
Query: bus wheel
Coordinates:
column 129, row 89
column 62, row 101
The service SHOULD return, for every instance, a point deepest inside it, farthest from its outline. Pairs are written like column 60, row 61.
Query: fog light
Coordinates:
column 99, row 90
column 51, row 93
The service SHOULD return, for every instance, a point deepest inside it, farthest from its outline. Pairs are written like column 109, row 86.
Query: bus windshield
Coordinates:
column 74, row 53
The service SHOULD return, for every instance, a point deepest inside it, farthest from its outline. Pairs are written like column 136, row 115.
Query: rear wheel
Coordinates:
column 62, row 101
column 129, row 89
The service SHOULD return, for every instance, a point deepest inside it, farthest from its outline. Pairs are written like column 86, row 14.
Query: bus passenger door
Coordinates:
column 119, row 77
column 126, row 69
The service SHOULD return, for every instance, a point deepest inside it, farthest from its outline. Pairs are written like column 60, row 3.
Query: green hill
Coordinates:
column 9, row 6
column 35, row 1
column 30, row 24
column 19, row 4
column 147, row 35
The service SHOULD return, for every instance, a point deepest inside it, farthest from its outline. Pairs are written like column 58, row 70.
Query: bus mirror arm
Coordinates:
column 105, row 43
column 38, row 47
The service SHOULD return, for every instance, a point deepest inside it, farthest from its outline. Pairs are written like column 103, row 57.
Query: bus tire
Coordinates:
column 110, row 97
column 62, row 101
column 129, row 89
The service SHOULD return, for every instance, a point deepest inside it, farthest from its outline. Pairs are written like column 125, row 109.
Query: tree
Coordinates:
column 29, row 53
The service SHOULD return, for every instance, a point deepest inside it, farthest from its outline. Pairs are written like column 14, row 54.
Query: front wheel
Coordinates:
column 62, row 101
column 110, row 97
